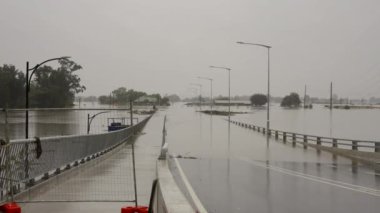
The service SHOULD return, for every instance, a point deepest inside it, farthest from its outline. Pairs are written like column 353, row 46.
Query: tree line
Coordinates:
column 122, row 96
column 49, row 87
column 292, row 100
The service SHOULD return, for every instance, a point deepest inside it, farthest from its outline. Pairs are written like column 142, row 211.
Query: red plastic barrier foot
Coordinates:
column 134, row 209
column 10, row 208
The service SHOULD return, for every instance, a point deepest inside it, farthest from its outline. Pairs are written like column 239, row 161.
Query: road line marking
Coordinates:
column 198, row 204
column 339, row 184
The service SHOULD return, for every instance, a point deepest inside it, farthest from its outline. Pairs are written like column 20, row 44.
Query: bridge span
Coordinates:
column 231, row 169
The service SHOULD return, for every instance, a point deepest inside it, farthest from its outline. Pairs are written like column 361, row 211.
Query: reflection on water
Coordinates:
column 359, row 124
column 44, row 123
column 239, row 172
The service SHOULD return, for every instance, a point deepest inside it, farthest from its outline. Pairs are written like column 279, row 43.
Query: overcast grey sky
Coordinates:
column 163, row 45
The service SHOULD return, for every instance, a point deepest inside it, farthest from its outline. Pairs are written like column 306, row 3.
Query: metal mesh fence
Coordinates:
column 105, row 179
column 27, row 162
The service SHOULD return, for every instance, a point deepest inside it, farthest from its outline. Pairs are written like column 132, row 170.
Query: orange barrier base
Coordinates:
column 10, row 208
column 134, row 209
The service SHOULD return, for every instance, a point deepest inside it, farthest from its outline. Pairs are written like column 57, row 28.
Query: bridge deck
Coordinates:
column 233, row 169
column 108, row 178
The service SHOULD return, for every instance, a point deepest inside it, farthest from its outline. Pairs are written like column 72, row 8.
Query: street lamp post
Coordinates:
column 210, row 79
column 90, row 118
column 28, row 80
column 229, row 89
column 200, row 95
column 268, row 94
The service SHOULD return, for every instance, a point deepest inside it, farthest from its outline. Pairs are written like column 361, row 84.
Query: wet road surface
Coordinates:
column 237, row 171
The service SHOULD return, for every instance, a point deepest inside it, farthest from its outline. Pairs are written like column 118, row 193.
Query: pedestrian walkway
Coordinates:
column 108, row 178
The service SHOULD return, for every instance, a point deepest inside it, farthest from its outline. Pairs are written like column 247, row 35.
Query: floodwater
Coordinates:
column 43, row 123
column 236, row 170
column 359, row 124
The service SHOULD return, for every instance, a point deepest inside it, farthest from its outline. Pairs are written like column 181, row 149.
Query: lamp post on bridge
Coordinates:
column 229, row 89
column 200, row 94
column 28, row 80
column 90, row 118
column 210, row 79
column 268, row 94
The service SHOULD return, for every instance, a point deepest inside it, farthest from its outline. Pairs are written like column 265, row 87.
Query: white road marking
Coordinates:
column 190, row 189
column 339, row 184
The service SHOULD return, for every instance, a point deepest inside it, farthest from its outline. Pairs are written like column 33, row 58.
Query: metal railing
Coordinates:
column 25, row 162
column 285, row 136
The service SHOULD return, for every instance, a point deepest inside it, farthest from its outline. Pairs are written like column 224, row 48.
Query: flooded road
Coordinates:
column 237, row 171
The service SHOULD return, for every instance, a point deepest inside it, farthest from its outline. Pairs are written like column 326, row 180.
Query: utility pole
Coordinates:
column 331, row 92
column 304, row 98
column 131, row 111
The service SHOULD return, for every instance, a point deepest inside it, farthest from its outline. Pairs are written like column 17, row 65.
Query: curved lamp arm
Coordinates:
column 38, row 65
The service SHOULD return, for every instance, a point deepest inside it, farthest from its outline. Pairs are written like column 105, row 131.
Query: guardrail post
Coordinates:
column 354, row 145
column 68, row 166
column 269, row 132
column 264, row 131
column 377, row 147
column 284, row 137
column 276, row 135
column 258, row 129
column 46, row 176
column 294, row 139
column 335, row 143
column 31, row 182
column 319, row 141
column 305, row 141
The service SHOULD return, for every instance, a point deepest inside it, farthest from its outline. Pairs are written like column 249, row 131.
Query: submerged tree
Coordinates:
column 12, row 87
column 165, row 101
column 174, row 98
column 258, row 99
column 292, row 100
column 56, row 87
column 123, row 96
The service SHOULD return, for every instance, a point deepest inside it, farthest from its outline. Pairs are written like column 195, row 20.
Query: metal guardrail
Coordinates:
column 25, row 162
column 357, row 145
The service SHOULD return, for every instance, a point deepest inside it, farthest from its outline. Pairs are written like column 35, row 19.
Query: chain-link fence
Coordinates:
column 25, row 163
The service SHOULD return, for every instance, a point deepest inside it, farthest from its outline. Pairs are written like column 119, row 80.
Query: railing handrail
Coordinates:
column 63, row 109
column 320, row 140
column 324, row 137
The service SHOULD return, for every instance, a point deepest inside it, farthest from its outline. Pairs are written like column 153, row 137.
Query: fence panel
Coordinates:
column 25, row 162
